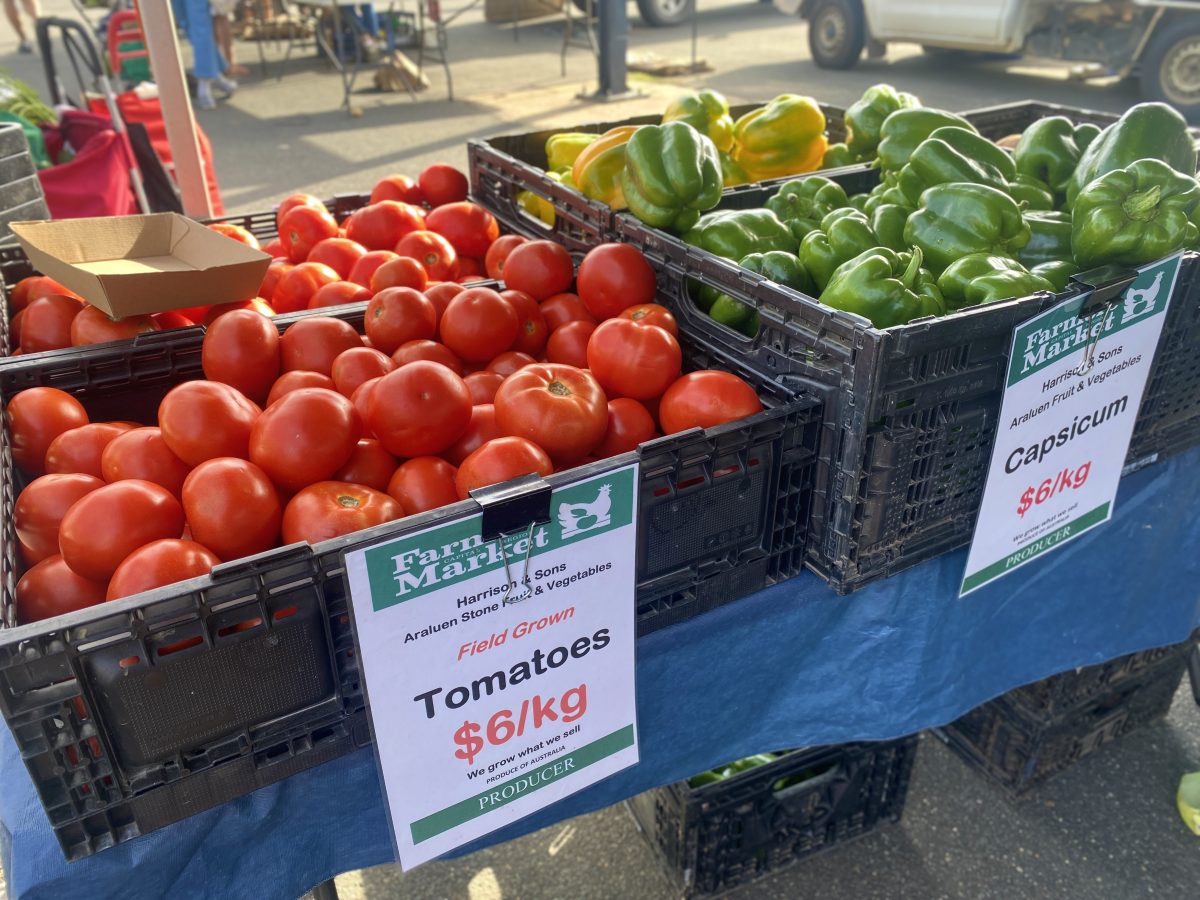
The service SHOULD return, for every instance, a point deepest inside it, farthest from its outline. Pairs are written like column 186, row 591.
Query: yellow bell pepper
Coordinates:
column 707, row 112
column 563, row 149
column 597, row 170
column 785, row 137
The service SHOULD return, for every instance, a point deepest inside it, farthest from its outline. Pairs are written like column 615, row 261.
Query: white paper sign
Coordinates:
column 1073, row 389
column 485, row 712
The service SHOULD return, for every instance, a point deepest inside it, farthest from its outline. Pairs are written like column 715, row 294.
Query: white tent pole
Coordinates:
column 158, row 25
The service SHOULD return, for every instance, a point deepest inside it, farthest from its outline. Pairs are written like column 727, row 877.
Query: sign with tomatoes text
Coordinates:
column 496, row 691
column 1073, row 389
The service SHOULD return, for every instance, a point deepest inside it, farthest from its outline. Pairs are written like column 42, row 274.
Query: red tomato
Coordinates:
column 539, row 268
column 613, row 277
column 560, row 408
column 483, row 428
column 356, row 365
column 50, row 589
column 256, row 305
column 360, row 397
column 364, row 269
column 479, row 324
column 40, row 508
column 37, row 416
column 232, row 508
column 294, row 381
column 205, row 419
column 419, row 409
column 632, row 360
column 296, row 287
column 32, row 288
column 470, row 228
column 339, row 293
column 432, row 251
column 441, row 294
column 470, row 269
column 397, row 187
column 563, row 308
column 289, row 203
column 171, row 318
column 241, row 349
column 92, row 325
column 652, row 314
column 276, row 270
column 499, row 460
column 381, row 225
column 704, row 399
column 629, row 424
column 441, row 184
column 46, row 323
column 568, row 344
column 330, row 509
column 274, row 249
column 531, row 324
column 303, row 228
column 158, row 564
column 510, row 361
column 397, row 315
column 340, row 254
column 369, row 465
column 142, row 453
column 79, row 449
column 423, row 483
column 432, row 351
column 305, row 437
column 313, row 343
column 497, row 254
column 235, row 232
column 105, row 525
column 483, row 386
column 399, row 272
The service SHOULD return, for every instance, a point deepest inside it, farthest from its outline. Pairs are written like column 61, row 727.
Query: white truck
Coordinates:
column 1156, row 40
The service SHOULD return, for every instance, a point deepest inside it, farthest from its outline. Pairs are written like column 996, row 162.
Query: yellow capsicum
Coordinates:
column 597, row 170
column 785, row 137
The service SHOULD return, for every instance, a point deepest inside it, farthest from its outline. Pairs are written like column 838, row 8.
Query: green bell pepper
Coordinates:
column 836, row 156
column 736, row 233
column 671, row 175
column 1049, row 150
column 858, row 201
column 1050, row 238
column 775, row 265
column 951, row 155
column 984, row 277
column 838, row 240
column 1134, row 215
column 731, row 173
column 905, row 129
column 955, row 220
column 1085, row 134
column 803, row 202
column 864, row 117
column 876, row 197
column 888, row 221
column 708, row 112
column 1058, row 272
column 886, row 287
column 1031, row 193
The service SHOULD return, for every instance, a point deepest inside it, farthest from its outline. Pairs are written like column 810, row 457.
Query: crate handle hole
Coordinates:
column 244, row 625
column 129, row 662
column 661, row 492
column 286, row 613
column 690, row 482
column 178, row 646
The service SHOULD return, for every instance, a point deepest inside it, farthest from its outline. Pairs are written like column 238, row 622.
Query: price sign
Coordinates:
column 1074, row 386
column 499, row 673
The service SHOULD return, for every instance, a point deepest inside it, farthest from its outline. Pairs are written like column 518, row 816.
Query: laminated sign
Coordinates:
column 499, row 670
column 1075, row 380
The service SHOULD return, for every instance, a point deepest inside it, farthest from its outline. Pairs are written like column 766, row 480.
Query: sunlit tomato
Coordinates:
column 540, row 268
column 340, row 254
column 304, row 437
column 46, row 323
column 563, row 308
column 632, row 360
column 232, row 508
column 613, row 277
column 431, row 351
column 171, row 318
column 205, row 419
column 142, row 453
column 296, row 287
column 158, row 564
column 274, row 248
column 80, row 449
column 441, row 294
column 397, row 187
column 470, row 228
column 397, row 315
column 470, row 269
column 50, row 589
column 92, row 325
column 330, row 509
column 381, row 225
column 420, row 409
column 532, row 330
column 441, row 184
column 497, row 254
column 432, row 251
column 303, row 228
column 510, row 361
column 29, row 289
column 356, row 365
column 364, row 270
column 294, row 381
column 483, row 386
column 479, row 324
column 313, row 343
column 481, row 429
column 37, row 416
column 560, row 408
column 369, row 465
column 290, row 202
column 423, row 483
column 568, row 344
column 499, row 460
column 255, row 305
column 241, row 349
column 235, row 232
column 40, row 508
column 652, row 314
column 360, row 398
column 276, row 270
column 107, row 524
column 704, row 399
column 629, row 424
column 399, row 272
column 339, row 293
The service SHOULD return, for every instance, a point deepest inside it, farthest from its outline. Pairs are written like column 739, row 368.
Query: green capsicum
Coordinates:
column 731, row 173
column 778, row 266
column 984, row 277
column 736, row 233
column 836, row 156
column 950, row 155
column 803, row 202
column 1031, row 193
column 957, row 219
column 708, row 112
column 671, row 175
column 1058, row 272
column 886, row 287
column 840, row 238
column 888, row 221
column 858, row 201
column 1050, row 238
column 865, row 116
column 903, row 131
column 1049, row 150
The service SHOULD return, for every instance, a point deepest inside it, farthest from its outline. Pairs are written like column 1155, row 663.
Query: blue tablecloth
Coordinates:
column 789, row 666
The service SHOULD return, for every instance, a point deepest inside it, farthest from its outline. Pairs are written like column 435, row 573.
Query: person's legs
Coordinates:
column 14, row 19
column 32, row 9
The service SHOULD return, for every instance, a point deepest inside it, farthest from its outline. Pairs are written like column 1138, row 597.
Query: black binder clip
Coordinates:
column 514, row 508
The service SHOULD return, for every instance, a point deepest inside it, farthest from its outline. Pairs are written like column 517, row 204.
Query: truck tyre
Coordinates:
column 1170, row 66
column 836, row 33
column 661, row 13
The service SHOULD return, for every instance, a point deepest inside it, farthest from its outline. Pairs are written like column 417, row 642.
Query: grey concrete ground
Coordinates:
column 1107, row 829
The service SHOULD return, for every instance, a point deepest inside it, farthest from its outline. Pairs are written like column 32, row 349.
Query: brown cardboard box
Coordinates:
column 129, row 265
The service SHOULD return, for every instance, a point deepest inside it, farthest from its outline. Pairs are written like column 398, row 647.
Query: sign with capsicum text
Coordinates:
column 499, row 673
column 1073, row 388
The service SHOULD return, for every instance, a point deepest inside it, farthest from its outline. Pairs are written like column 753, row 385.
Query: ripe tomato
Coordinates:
column 274, row 249
column 540, row 268
column 303, row 228
column 470, row 228
column 305, row 437
column 369, row 465
column 441, row 294
column 294, row 381
column 632, row 360
column 79, row 449
column 497, row 254
column 652, row 314
column 105, row 525
column 330, row 509
column 397, row 187
column 40, row 508
column 205, row 419
column 629, row 424
column 531, row 324
column 704, row 399
column 92, row 325
column 276, row 270
column 232, row 508
column 470, row 269
column 563, row 308
column 399, row 272
column 381, row 225
column 313, row 343
column 241, row 349
column 432, row 251
column 560, row 408
column 142, row 453
column 483, row 386
column 256, row 305
column 32, row 288
column 397, row 315
column 37, row 416
column 363, row 270
column 296, row 286
column 170, row 318
column 613, row 277
column 158, row 564
column 441, row 184
column 359, row 398
column 510, row 361
column 289, row 203
column 481, row 429
column 339, row 293
column 499, row 460
column 479, row 324
column 50, row 589
column 419, row 409
column 46, row 323
column 432, row 351
column 340, row 254
column 356, row 365
column 235, row 232
column 423, row 483
column 568, row 344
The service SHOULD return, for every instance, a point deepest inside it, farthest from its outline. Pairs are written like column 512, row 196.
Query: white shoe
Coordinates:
column 225, row 85
column 204, row 97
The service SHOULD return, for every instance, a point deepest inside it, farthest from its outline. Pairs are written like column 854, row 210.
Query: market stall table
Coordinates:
column 789, row 666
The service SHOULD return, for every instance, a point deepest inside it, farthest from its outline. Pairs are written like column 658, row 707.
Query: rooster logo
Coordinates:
column 576, row 518
column 1140, row 302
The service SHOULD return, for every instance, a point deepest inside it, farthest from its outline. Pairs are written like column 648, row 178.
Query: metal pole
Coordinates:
column 614, row 41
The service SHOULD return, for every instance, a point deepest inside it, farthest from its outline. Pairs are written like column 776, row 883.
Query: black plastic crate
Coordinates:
column 1018, row 744
column 714, row 838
